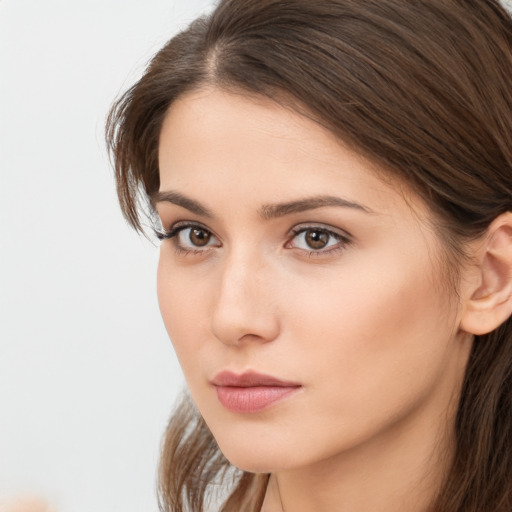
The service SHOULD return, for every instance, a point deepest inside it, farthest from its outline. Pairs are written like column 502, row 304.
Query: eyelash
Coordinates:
column 175, row 231
column 343, row 240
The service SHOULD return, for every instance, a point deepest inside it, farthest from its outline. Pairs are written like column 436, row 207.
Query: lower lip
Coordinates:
column 252, row 399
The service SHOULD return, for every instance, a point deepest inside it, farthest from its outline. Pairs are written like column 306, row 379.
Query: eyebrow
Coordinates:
column 272, row 211
column 180, row 200
column 268, row 211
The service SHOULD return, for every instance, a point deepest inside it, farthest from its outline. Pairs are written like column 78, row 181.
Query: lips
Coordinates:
column 251, row 392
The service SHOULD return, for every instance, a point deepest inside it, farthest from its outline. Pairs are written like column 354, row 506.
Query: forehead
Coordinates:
column 215, row 143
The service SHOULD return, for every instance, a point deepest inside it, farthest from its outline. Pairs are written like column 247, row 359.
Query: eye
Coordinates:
column 190, row 237
column 194, row 237
column 317, row 239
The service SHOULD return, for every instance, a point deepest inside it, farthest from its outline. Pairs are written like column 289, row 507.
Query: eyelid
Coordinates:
column 343, row 238
column 175, row 228
column 337, row 232
column 181, row 248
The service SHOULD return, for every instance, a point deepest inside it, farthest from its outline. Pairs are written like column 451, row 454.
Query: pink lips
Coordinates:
column 250, row 392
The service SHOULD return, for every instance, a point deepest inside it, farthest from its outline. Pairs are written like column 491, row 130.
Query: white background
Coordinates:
column 87, row 373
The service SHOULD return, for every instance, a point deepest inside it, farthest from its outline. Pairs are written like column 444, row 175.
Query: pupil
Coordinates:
column 317, row 239
column 199, row 237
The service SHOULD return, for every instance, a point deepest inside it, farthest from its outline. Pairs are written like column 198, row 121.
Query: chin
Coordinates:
column 255, row 457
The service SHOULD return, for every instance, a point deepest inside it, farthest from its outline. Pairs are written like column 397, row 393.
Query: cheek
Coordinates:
column 180, row 310
column 367, row 304
column 384, row 342
column 185, row 297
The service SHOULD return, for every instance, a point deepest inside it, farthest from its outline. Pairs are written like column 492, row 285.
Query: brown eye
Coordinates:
column 199, row 237
column 192, row 238
column 316, row 239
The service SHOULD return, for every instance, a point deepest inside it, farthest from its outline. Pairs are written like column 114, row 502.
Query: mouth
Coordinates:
column 251, row 392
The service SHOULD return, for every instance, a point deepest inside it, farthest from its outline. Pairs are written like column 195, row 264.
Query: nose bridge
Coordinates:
column 244, row 308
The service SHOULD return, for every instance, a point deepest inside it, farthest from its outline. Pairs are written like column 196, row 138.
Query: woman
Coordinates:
column 332, row 185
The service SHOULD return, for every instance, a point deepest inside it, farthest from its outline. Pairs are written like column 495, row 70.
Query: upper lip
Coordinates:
column 249, row 379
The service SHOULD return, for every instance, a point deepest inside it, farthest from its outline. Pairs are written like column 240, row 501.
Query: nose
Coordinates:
column 245, row 309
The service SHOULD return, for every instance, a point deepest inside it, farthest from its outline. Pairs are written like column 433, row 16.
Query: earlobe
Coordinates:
column 489, row 301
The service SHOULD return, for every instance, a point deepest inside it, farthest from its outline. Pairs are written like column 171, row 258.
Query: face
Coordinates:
column 301, row 292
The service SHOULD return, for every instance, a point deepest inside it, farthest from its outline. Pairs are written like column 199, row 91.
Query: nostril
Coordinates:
column 242, row 323
column 243, row 310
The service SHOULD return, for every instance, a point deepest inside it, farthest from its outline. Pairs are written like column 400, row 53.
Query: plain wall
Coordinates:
column 87, row 373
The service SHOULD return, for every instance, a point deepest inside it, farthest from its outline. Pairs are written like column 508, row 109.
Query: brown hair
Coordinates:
column 421, row 87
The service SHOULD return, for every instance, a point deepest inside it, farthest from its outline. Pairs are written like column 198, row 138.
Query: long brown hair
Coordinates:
column 421, row 87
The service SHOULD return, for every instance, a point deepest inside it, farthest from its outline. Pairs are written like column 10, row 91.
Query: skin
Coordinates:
column 365, row 324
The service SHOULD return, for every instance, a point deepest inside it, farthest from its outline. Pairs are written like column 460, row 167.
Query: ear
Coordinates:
column 489, row 301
